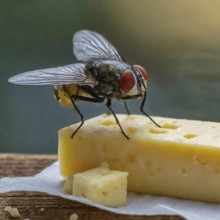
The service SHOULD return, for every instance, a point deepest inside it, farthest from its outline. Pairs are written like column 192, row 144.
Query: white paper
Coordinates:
column 50, row 181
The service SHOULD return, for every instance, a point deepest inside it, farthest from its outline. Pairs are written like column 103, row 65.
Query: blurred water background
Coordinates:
column 177, row 41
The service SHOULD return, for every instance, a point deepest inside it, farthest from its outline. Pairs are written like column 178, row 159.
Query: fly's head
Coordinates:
column 133, row 81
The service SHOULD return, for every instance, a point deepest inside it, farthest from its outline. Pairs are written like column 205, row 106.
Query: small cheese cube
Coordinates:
column 180, row 159
column 68, row 184
column 102, row 185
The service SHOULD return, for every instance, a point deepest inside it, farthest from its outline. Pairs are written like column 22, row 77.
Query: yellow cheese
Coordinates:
column 180, row 159
column 102, row 185
column 68, row 185
column 12, row 211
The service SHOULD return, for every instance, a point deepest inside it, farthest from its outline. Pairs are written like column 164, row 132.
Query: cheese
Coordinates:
column 68, row 185
column 180, row 159
column 74, row 216
column 102, row 185
column 12, row 211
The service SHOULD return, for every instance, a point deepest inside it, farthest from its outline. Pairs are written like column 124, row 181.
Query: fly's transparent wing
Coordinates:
column 63, row 75
column 89, row 45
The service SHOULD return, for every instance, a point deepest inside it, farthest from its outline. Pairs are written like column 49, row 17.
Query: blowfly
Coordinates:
column 100, row 75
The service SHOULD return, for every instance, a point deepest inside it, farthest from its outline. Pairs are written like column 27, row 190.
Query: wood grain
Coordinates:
column 34, row 205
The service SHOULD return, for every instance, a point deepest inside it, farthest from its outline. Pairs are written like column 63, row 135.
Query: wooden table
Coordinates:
column 35, row 205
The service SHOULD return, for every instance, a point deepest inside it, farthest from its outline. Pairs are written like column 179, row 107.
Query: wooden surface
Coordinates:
column 34, row 206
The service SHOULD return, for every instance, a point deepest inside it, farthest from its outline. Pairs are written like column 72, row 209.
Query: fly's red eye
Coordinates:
column 144, row 73
column 127, row 81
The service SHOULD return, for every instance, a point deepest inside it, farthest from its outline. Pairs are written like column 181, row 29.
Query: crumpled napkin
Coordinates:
column 50, row 181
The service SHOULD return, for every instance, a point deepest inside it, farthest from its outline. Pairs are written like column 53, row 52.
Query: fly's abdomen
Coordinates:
column 65, row 93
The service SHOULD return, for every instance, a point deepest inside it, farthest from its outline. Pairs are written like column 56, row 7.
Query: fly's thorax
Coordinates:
column 107, row 75
column 107, row 67
column 133, row 81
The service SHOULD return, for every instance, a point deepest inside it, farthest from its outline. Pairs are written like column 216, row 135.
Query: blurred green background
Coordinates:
column 177, row 41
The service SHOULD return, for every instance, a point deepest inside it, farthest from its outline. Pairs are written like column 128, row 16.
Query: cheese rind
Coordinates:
column 180, row 159
column 102, row 185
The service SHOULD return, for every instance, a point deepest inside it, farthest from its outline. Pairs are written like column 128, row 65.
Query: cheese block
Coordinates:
column 180, row 159
column 102, row 185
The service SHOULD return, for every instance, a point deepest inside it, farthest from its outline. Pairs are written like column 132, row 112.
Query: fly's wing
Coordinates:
column 88, row 45
column 63, row 75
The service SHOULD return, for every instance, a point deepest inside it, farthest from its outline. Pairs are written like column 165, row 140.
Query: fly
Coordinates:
column 101, row 75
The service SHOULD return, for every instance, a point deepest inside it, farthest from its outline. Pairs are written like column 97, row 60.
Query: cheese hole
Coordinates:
column 169, row 126
column 201, row 161
column 217, row 171
column 104, row 193
column 132, row 129
column 159, row 169
column 157, row 131
column 184, row 172
column 151, row 173
column 147, row 163
column 190, row 136
column 130, row 157
column 108, row 123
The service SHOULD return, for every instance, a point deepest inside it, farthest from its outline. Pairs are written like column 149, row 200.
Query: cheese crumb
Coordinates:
column 74, row 216
column 12, row 211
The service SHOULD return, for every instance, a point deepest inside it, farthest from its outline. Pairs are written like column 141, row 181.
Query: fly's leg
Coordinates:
column 142, row 110
column 108, row 104
column 126, row 108
column 73, row 99
column 83, row 98
column 80, row 114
